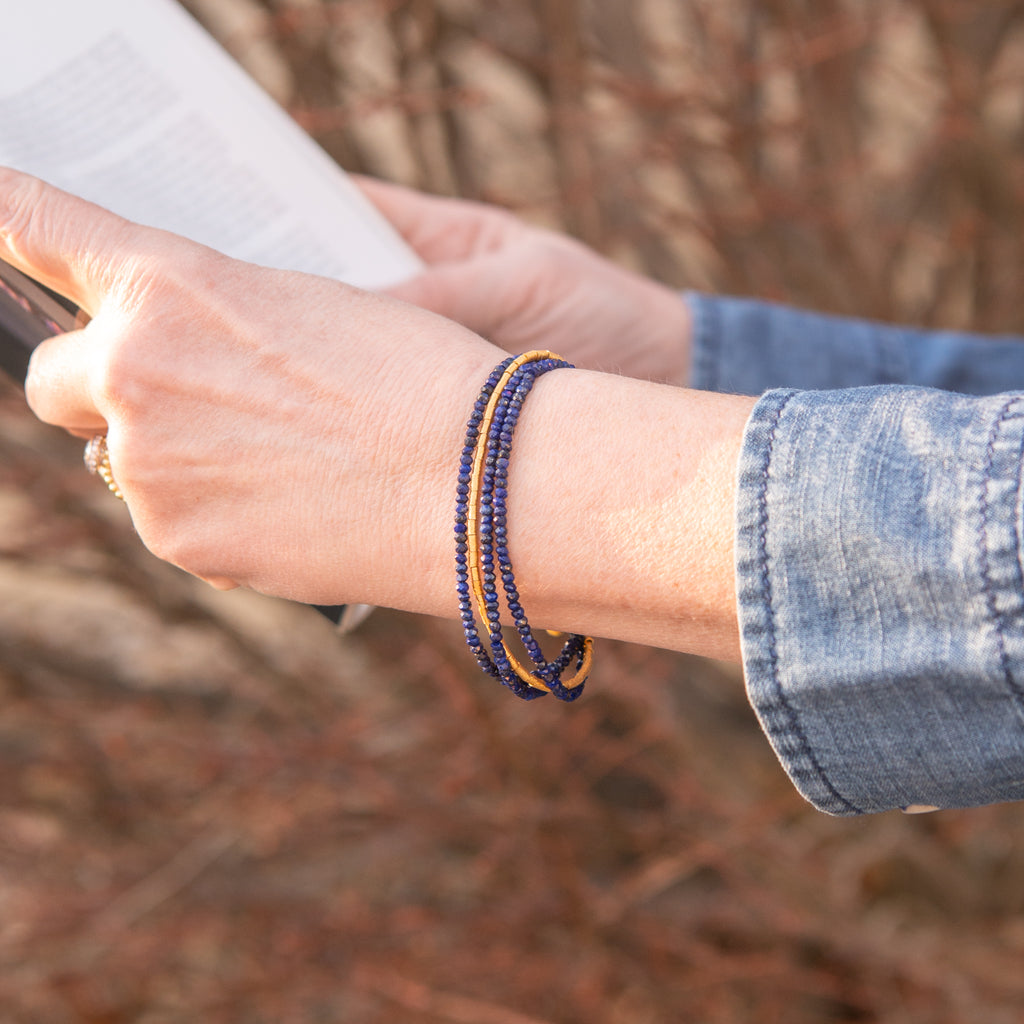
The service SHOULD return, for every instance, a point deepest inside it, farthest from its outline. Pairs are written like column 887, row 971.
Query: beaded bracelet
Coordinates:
column 481, row 541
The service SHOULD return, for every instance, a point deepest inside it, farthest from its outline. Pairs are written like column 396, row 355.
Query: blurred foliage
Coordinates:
column 862, row 156
column 213, row 810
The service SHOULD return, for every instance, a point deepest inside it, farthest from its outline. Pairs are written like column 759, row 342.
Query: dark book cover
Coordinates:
column 29, row 313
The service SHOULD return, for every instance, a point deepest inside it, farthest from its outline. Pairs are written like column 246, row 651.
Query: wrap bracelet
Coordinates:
column 483, row 565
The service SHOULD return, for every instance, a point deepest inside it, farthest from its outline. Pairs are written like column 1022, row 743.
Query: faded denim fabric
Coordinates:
column 745, row 347
column 879, row 562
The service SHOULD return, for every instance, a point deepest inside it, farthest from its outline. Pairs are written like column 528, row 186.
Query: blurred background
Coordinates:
column 214, row 810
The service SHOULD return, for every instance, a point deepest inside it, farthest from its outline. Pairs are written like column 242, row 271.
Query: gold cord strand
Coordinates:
column 473, row 533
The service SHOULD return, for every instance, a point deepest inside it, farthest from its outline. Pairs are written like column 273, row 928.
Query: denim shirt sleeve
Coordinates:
column 881, row 598
column 744, row 346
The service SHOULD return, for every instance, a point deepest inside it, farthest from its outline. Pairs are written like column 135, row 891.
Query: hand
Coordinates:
column 523, row 288
column 270, row 429
column 300, row 437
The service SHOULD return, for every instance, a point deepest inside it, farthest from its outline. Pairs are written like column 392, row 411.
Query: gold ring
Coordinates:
column 97, row 461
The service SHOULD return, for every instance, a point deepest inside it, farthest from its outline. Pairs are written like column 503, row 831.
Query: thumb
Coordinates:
column 66, row 243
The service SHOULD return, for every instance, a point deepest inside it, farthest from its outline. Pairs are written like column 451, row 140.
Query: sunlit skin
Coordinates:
column 299, row 437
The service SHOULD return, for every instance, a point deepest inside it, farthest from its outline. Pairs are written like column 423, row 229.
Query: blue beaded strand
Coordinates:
column 506, row 417
column 461, row 517
column 495, row 566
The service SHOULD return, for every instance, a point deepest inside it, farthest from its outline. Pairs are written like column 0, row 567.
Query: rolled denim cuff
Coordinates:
column 881, row 598
column 746, row 347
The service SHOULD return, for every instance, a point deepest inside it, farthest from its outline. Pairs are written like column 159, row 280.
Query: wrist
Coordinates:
column 620, row 502
column 621, row 510
column 420, row 555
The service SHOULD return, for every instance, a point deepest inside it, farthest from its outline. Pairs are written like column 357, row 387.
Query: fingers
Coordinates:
column 58, row 386
column 220, row 582
column 441, row 229
column 469, row 295
column 71, row 245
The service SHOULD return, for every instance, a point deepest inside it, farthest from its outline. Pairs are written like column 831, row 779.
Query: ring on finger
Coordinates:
column 97, row 461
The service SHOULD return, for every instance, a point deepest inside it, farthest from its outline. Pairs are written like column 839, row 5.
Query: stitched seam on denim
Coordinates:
column 983, row 544
column 780, row 696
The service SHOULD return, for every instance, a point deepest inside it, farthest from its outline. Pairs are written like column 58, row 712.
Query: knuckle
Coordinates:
column 117, row 380
column 163, row 512
column 22, row 208
column 159, row 531
column 137, row 281
column 167, row 283
column 162, row 545
column 175, row 547
column 165, row 545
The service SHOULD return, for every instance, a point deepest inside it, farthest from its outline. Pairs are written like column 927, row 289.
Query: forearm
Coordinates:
column 621, row 513
column 622, row 497
column 744, row 346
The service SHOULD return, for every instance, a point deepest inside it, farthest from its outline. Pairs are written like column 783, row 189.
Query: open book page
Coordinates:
column 131, row 104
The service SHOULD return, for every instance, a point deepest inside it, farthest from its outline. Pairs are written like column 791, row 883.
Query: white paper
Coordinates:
column 131, row 104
